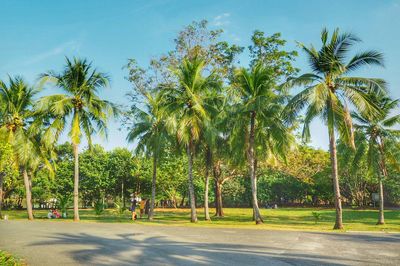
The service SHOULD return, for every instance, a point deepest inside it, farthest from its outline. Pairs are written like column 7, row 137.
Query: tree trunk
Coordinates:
column 335, row 179
column 1, row 194
column 193, row 213
column 381, row 219
column 153, row 188
column 215, row 198
column 182, row 201
column 207, row 181
column 252, row 161
column 219, row 212
column 218, row 195
column 76, row 183
column 122, row 193
column 383, row 170
column 28, row 192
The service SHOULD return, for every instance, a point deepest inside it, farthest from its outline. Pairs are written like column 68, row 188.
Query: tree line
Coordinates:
column 197, row 106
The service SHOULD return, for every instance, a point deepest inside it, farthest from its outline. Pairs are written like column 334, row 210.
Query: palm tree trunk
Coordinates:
column 257, row 215
column 76, row 183
column 28, row 192
column 206, row 208
column 153, row 188
column 207, row 181
column 381, row 219
column 335, row 179
column 122, row 193
column 219, row 212
column 219, row 209
column 193, row 213
column 1, row 193
column 215, row 198
column 383, row 170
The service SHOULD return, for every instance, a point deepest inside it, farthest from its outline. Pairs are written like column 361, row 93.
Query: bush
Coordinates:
column 98, row 207
column 63, row 203
column 317, row 216
column 119, row 207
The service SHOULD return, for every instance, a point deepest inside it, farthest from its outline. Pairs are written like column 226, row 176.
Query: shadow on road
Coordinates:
column 364, row 238
column 128, row 249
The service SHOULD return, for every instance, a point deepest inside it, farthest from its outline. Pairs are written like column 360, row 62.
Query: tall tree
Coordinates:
column 329, row 90
column 81, row 105
column 186, row 102
column 121, row 167
column 149, row 129
column 197, row 41
column 21, row 128
column 211, row 135
column 259, row 108
column 376, row 132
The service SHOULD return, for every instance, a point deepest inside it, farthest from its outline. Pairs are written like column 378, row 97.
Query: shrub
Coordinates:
column 98, row 207
column 63, row 203
column 317, row 216
column 119, row 207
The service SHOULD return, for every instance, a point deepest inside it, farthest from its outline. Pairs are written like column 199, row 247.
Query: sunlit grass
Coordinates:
column 279, row 219
column 7, row 259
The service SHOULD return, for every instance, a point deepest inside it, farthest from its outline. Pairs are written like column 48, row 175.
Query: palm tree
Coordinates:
column 375, row 133
column 329, row 89
column 20, row 128
column 258, row 127
column 187, row 103
column 86, row 112
column 210, row 135
column 150, row 130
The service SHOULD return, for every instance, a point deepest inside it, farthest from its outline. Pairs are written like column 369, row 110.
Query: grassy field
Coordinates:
column 6, row 259
column 278, row 219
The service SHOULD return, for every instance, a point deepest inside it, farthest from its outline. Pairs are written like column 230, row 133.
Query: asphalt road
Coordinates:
column 68, row 243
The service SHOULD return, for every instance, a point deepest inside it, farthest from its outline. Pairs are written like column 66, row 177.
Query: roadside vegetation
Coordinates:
column 7, row 259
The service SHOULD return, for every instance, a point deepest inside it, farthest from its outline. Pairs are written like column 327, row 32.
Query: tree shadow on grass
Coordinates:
column 129, row 249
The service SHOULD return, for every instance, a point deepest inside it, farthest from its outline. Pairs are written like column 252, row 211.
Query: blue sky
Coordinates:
column 36, row 35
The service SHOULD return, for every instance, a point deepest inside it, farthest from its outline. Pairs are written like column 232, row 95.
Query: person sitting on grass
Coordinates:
column 50, row 214
column 56, row 214
column 133, row 206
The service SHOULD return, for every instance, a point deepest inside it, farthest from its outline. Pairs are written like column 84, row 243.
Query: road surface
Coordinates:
column 68, row 243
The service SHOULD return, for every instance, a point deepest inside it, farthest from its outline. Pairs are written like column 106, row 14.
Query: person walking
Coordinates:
column 133, row 206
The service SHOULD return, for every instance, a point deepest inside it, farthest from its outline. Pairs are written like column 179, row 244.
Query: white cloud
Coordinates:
column 221, row 19
column 235, row 38
column 62, row 48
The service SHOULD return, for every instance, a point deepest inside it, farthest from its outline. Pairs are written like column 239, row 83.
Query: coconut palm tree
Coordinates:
column 375, row 133
column 80, row 105
column 20, row 127
column 17, row 112
column 149, row 129
column 330, row 89
column 187, row 103
column 210, row 135
column 258, row 127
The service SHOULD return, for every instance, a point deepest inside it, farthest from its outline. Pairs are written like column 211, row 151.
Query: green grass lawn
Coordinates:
column 7, row 259
column 279, row 219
